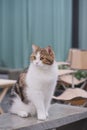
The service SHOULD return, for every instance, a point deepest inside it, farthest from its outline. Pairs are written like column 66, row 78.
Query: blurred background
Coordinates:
column 59, row 23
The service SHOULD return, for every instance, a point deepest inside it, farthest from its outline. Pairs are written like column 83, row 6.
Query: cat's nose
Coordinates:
column 36, row 63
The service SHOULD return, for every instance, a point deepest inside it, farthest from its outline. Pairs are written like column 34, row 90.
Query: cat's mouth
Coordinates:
column 38, row 65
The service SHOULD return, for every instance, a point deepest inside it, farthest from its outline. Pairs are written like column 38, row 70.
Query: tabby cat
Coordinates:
column 35, row 86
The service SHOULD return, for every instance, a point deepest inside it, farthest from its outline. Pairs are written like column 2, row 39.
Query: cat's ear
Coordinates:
column 35, row 47
column 49, row 49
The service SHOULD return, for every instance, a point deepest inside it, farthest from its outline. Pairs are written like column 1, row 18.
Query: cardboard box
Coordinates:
column 78, row 59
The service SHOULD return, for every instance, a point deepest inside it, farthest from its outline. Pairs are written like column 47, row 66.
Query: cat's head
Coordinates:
column 42, row 56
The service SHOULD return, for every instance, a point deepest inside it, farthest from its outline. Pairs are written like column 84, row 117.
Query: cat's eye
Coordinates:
column 41, row 58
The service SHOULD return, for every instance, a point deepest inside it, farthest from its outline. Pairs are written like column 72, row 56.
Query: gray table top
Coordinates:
column 59, row 115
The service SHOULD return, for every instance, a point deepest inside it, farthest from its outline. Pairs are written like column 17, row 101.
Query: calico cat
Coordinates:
column 35, row 86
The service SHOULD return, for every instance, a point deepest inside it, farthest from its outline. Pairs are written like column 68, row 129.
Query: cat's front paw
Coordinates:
column 41, row 117
column 23, row 114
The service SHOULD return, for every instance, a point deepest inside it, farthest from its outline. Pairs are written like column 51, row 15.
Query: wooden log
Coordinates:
column 59, row 116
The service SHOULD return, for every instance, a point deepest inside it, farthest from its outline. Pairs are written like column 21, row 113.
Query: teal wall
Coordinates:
column 83, row 24
column 27, row 22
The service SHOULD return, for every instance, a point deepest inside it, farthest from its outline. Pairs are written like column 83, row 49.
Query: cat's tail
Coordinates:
column 18, row 107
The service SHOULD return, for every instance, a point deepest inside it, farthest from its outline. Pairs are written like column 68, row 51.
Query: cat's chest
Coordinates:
column 40, row 81
column 37, row 78
column 42, row 76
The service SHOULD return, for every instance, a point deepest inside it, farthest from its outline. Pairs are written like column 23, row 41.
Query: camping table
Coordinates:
column 63, row 63
column 5, row 84
column 62, row 72
column 65, row 72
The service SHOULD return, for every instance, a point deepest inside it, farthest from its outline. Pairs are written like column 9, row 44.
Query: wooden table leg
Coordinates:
column 3, row 93
column 1, row 111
